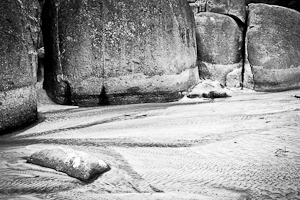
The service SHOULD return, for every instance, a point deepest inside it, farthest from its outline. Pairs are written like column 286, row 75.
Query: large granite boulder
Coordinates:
column 273, row 48
column 233, row 8
column 117, row 52
column 19, row 27
column 220, row 45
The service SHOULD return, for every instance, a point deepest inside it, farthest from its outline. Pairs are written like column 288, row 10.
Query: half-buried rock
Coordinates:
column 74, row 163
column 273, row 48
column 208, row 89
column 220, row 44
column 118, row 52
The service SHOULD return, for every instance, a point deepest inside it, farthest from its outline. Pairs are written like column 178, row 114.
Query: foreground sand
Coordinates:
column 243, row 147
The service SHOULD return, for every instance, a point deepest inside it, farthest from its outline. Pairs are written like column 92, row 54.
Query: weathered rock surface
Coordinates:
column 234, row 8
column 234, row 78
column 219, row 43
column 293, row 4
column 118, row 52
column 74, row 163
column 273, row 47
column 208, row 89
column 19, row 29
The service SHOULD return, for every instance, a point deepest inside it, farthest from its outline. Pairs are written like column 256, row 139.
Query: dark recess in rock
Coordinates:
column 103, row 99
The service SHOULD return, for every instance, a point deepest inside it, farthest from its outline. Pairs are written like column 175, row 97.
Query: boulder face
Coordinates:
column 233, row 8
column 77, row 164
column 293, row 4
column 219, row 44
column 19, row 29
column 117, row 52
column 273, row 47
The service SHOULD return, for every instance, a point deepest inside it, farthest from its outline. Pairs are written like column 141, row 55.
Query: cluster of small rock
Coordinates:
column 119, row 52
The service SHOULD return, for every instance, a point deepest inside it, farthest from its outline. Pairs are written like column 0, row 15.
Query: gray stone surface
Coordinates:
column 137, row 52
column 19, row 29
column 293, row 4
column 233, row 8
column 74, row 163
column 219, row 44
column 273, row 47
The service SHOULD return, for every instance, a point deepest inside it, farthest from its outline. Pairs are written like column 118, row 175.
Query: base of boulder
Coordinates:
column 135, row 88
column 218, row 72
column 18, row 108
column 276, row 80
column 248, row 81
column 120, row 99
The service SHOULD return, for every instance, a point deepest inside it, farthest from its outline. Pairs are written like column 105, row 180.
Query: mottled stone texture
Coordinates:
column 233, row 8
column 273, row 47
column 293, row 4
column 19, row 28
column 220, row 43
column 77, row 164
column 118, row 52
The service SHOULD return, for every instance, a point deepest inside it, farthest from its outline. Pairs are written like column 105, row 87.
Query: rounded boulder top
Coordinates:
column 19, row 27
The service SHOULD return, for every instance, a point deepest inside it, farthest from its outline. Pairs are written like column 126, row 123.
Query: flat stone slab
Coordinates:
column 77, row 164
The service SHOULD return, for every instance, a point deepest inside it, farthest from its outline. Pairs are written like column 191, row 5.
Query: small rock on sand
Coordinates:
column 77, row 164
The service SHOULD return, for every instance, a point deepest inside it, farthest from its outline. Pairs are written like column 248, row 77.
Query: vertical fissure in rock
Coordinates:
column 103, row 99
column 55, row 83
column 46, row 34
column 58, row 42
column 244, row 48
column 205, row 7
column 68, row 93
column 40, row 45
